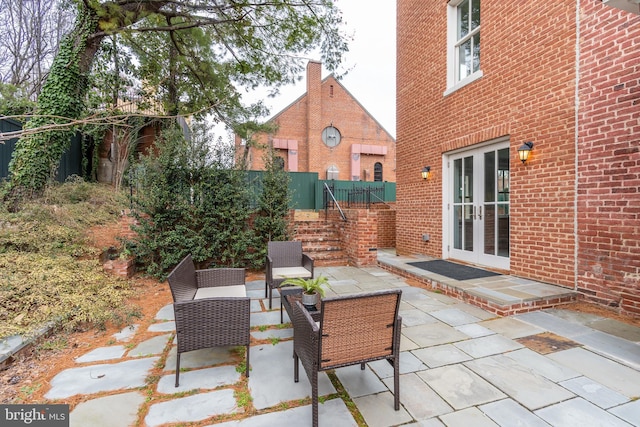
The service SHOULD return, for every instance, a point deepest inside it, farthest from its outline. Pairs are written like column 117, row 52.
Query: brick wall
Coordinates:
column 526, row 94
column 386, row 223
column 359, row 234
column 609, row 157
column 327, row 103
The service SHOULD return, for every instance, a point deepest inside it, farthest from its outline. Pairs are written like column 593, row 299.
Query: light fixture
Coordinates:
column 426, row 172
column 524, row 150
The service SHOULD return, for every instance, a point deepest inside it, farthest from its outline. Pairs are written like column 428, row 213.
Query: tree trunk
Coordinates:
column 37, row 155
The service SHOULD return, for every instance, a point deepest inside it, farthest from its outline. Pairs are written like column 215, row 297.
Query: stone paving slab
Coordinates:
column 207, row 379
column 205, row 357
column 433, row 334
column 460, row 387
column 630, row 412
column 377, row 410
column 613, row 375
column 579, row 412
column 542, row 365
column 150, row 347
column 468, row 417
column 595, row 393
column 418, row 398
column 441, row 355
column 99, row 378
column 511, row 328
column 102, row 354
column 192, row 408
column 271, row 379
column 454, row 317
column 166, row 313
column 273, row 333
column 486, row 346
column 522, row 384
column 474, row 330
column 414, row 317
column 358, row 382
column 126, row 333
column 163, row 327
column 118, row 410
column 506, row 412
column 332, row 413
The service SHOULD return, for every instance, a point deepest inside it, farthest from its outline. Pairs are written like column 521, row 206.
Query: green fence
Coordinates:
column 308, row 192
column 70, row 163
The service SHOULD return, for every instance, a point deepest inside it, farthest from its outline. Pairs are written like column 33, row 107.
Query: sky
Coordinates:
column 371, row 60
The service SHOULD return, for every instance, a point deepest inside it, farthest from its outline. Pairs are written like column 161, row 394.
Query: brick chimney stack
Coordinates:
column 314, row 113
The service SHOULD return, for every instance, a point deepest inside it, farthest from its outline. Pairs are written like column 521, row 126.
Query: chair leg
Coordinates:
column 248, row 366
column 178, row 369
column 296, row 372
column 396, row 384
column 266, row 289
column 314, row 398
column 362, row 366
column 270, row 296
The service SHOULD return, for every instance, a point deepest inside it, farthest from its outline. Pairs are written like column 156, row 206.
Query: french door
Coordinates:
column 477, row 206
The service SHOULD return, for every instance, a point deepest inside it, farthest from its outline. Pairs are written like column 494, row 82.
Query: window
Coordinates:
column 278, row 163
column 377, row 171
column 332, row 172
column 331, row 136
column 463, row 54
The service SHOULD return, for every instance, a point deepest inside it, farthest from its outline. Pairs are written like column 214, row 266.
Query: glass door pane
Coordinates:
column 496, row 203
column 502, row 203
column 463, row 203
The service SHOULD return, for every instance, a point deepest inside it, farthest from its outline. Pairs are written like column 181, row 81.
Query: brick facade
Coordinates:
column 609, row 157
column 298, row 139
column 567, row 203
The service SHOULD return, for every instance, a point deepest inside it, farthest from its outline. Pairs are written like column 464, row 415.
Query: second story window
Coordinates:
column 463, row 55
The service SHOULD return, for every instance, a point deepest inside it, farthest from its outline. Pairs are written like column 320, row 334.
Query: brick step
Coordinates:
column 328, row 258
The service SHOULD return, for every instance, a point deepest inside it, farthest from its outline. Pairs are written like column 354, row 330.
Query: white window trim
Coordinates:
column 452, row 21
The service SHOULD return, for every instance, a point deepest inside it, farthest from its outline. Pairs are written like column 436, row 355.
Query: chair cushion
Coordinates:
column 221, row 291
column 290, row 272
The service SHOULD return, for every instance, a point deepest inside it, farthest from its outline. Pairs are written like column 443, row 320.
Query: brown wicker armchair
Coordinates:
column 285, row 260
column 211, row 308
column 351, row 330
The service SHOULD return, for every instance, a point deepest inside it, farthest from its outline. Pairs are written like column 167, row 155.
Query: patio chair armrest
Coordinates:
column 397, row 336
column 268, row 269
column 220, row 277
column 306, row 337
column 307, row 262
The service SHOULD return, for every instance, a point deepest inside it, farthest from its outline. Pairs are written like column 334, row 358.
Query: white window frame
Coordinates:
column 453, row 84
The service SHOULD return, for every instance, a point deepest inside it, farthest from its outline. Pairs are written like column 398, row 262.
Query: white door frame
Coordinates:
column 477, row 255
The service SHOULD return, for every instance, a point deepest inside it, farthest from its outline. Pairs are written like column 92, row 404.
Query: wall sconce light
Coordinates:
column 426, row 172
column 524, row 150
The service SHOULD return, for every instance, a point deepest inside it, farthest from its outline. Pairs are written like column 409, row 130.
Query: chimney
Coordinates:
column 314, row 112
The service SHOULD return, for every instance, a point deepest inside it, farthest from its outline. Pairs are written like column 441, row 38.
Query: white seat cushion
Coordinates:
column 221, row 291
column 290, row 273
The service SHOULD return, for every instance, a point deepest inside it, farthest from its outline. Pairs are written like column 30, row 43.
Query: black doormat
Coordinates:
column 453, row 270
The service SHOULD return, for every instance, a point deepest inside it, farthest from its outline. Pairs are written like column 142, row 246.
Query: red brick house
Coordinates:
column 326, row 130
column 563, row 75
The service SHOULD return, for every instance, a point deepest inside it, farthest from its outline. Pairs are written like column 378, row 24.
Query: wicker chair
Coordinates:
column 351, row 330
column 211, row 308
column 285, row 260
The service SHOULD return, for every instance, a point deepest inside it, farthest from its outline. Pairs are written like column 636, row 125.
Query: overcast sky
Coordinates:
column 371, row 58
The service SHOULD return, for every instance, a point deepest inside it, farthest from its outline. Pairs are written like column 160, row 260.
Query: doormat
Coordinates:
column 453, row 270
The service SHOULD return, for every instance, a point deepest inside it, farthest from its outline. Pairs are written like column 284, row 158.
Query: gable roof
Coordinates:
column 322, row 82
